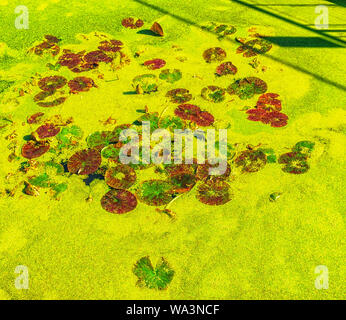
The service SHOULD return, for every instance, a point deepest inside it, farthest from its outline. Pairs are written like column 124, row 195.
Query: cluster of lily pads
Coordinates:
column 97, row 156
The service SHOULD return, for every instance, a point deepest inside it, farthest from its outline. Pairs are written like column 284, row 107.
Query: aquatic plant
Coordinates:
column 254, row 47
column 214, row 192
column 120, row 177
column 84, row 162
column 155, row 192
column 294, row 162
column 145, row 83
column 214, row 54
column 269, row 102
column 154, row 64
column 222, row 30
column 170, row 76
column 158, row 278
column 226, row 68
column 47, row 130
column 34, row 149
column 251, row 160
column 132, row 23
column 119, row 201
column 213, row 94
column 157, row 29
column 179, row 95
column 246, row 88
column 81, row 84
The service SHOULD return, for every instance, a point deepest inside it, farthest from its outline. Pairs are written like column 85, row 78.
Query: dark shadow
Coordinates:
column 291, row 65
column 294, row 5
column 148, row 32
column 274, row 15
column 91, row 177
column 333, row 30
column 303, row 42
column 341, row 3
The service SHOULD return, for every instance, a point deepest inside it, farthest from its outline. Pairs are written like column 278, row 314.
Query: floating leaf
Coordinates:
column 214, row 192
column 145, row 83
column 222, row 30
column 170, row 76
column 84, row 162
column 155, row 192
column 304, row 147
column 118, row 201
column 295, row 162
column 269, row 102
column 34, row 149
column 251, row 160
column 214, row 54
column 52, row 83
column 132, row 23
column 246, row 88
column 158, row 278
column 42, row 181
column 213, row 94
column 155, row 64
column 120, row 177
column 254, row 47
column 47, row 130
column 179, row 95
column 226, row 68
column 81, row 84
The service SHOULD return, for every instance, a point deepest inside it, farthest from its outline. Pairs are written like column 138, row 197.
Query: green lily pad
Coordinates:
column 170, row 76
column 153, row 278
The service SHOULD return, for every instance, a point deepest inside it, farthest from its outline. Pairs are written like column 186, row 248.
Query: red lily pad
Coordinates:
column 95, row 57
column 155, row 64
column 251, row 160
column 179, row 95
column 295, row 162
column 119, row 201
column 195, row 114
column 110, row 46
column 35, row 118
column 275, row 118
column 256, row 114
column 81, row 84
column 47, row 46
column 84, row 162
column 132, row 23
column 155, row 192
column 70, row 60
column 213, row 94
column 214, row 54
column 226, row 68
column 47, row 130
column 269, row 102
column 214, row 192
column 35, row 149
column 120, row 177
column 52, row 83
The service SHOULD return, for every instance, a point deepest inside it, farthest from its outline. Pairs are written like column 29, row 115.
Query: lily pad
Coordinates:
column 254, row 47
column 52, row 83
column 251, row 160
column 119, row 201
column 170, row 76
column 214, row 192
column 304, row 147
column 84, row 162
column 120, row 177
column 269, row 102
column 213, row 94
column 132, row 23
column 145, row 83
column 179, row 95
column 226, row 68
column 81, row 84
column 47, row 130
column 158, row 278
column 155, row 64
column 34, row 149
column 295, row 162
column 214, row 54
column 155, row 192
column 246, row 88
column 222, row 30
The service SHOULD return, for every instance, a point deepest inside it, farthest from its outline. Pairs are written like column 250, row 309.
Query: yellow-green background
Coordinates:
column 249, row 248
